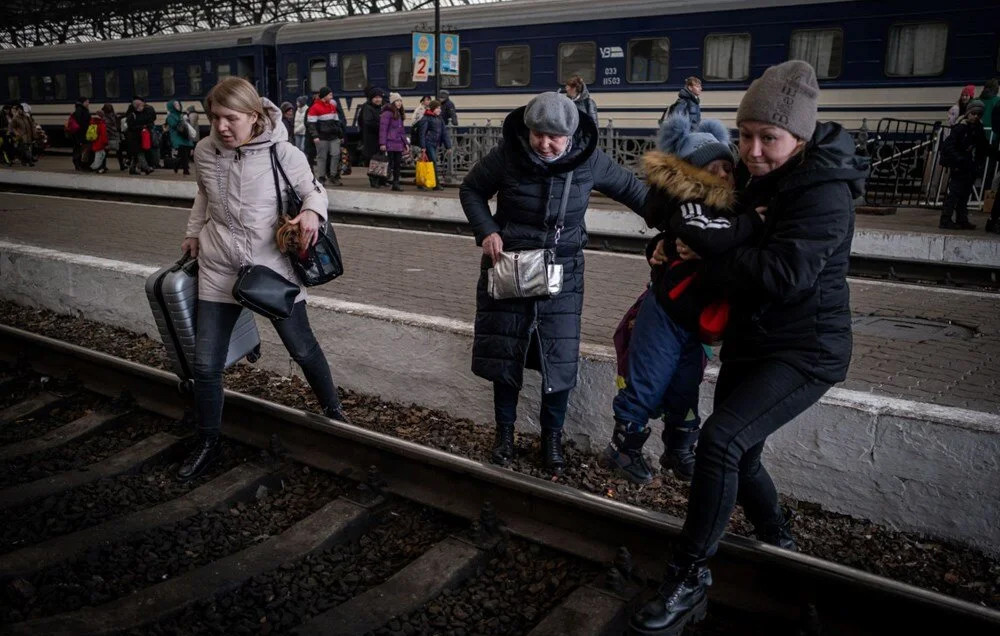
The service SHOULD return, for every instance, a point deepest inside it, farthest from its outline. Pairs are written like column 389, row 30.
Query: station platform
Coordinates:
column 911, row 234
column 435, row 275
column 910, row 439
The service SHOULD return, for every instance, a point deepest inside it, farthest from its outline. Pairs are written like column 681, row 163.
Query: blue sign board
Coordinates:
column 449, row 54
column 423, row 46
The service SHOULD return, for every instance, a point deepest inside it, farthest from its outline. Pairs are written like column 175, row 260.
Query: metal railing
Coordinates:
column 906, row 168
column 472, row 143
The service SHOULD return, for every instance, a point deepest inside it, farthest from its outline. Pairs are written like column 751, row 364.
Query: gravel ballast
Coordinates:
column 909, row 557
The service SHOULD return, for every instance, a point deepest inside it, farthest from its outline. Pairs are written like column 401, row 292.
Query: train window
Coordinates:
column 140, row 82
column 354, row 72
column 13, row 87
column 400, row 70
column 513, row 65
column 727, row 57
column 822, row 48
column 85, row 83
column 648, row 60
column 194, row 79
column 167, row 81
column 464, row 77
column 292, row 77
column 111, row 88
column 317, row 74
column 577, row 58
column 222, row 71
column 61, row 89
column 916, row 49
column 36, row 87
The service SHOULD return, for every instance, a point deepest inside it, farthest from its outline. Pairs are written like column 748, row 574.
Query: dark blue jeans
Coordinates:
column 752, row 400
column 215, row 325
column 553, row 406
column 665, row 364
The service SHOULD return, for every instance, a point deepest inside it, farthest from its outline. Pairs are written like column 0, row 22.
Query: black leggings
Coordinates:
column 215, row 325
column 395, row 161
column 752, row 400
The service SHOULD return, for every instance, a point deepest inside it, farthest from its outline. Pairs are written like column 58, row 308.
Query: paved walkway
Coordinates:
column 435, row 274
column 905, row 219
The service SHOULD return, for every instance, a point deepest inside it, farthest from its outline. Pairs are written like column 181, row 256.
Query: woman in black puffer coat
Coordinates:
column 789, row 334
column 543, row 143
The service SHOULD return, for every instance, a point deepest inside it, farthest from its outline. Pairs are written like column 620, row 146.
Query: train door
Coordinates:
column 271, row 87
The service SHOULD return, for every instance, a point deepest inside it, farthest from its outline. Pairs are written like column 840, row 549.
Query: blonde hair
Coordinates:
column 235, row 93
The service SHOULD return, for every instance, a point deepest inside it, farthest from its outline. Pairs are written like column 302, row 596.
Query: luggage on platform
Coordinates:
column 173, row 297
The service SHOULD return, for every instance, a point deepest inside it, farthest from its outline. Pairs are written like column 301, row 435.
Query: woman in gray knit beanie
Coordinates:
column 788, row 339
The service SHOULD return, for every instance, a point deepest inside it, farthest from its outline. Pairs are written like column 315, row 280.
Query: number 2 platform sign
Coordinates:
column 423, row 56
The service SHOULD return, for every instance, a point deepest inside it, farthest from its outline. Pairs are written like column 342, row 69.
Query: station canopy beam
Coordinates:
column 42, row 22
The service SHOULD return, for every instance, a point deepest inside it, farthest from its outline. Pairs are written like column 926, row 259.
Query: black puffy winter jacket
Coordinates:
column 789, row 294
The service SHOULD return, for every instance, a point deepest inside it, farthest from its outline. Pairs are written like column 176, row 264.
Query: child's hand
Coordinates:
column 659, row 256
column 761, row 212
column 685, row 252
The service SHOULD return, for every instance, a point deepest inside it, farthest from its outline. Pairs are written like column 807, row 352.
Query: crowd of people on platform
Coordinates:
column 751, row 249
column 970, row 153
column 22, row 140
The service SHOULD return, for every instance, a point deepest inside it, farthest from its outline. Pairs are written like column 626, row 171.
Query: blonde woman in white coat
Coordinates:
column 233, row 222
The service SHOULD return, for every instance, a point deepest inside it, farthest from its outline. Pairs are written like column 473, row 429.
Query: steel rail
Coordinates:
column 749, row 575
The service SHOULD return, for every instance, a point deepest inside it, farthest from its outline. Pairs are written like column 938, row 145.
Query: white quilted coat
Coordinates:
column 243, row 178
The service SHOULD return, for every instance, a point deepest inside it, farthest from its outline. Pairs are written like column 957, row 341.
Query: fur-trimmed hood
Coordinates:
column 685, row 182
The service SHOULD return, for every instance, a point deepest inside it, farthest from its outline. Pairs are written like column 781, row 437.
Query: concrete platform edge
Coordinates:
column 897, row 462
column 971, row 250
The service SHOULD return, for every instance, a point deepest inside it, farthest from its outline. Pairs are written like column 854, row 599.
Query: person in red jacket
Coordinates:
column 325, row 126
column 99, row 145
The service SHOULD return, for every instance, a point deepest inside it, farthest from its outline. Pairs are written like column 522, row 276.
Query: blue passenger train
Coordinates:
column 901, row 58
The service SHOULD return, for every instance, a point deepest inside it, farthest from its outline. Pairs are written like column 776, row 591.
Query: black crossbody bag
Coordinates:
column 258, row 287
column 321, row 262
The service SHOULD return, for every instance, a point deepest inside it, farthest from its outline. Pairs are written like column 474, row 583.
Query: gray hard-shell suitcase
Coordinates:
column 173, row 297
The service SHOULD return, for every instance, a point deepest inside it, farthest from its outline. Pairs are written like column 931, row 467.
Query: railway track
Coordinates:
column 315, row 527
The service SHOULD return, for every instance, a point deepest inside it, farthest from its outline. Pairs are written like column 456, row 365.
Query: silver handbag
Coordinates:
column 530, row 273
column 525, row 274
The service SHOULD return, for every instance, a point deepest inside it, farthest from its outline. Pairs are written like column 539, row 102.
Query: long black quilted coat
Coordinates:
column 542, row 334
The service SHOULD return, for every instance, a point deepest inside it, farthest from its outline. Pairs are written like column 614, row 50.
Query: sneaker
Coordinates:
column 946, row 224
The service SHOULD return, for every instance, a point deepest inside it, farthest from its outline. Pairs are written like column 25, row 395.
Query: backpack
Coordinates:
column 91, row 132
column 72, row 126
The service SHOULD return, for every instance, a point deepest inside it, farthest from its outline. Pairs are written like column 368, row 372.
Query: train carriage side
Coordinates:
column 897, row 58
column 159, row 68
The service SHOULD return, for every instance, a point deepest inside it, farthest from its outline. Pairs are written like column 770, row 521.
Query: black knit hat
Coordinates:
column 323, row 92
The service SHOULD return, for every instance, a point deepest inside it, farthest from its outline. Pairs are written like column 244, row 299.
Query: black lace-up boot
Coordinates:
column 624, row 454
column 552, row 452
column 205, row 452
column 681, row 599
column 775, row 528
column 503, row 447
column 336, row 413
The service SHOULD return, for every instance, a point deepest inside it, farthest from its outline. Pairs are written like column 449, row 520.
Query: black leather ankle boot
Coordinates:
column 205, row 452
column 681, row 599
column 336, row 413
column 503, row 446
column 777, row 530
column 552, row 455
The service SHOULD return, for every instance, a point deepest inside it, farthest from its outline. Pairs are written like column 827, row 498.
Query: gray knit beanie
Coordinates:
column 974, row 105
column 786, row 95
column 552, row 113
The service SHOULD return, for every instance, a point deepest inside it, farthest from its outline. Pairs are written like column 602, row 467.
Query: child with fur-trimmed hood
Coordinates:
column 691, row 198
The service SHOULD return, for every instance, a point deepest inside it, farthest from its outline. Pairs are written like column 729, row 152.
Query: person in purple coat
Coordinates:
column 392, row 136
